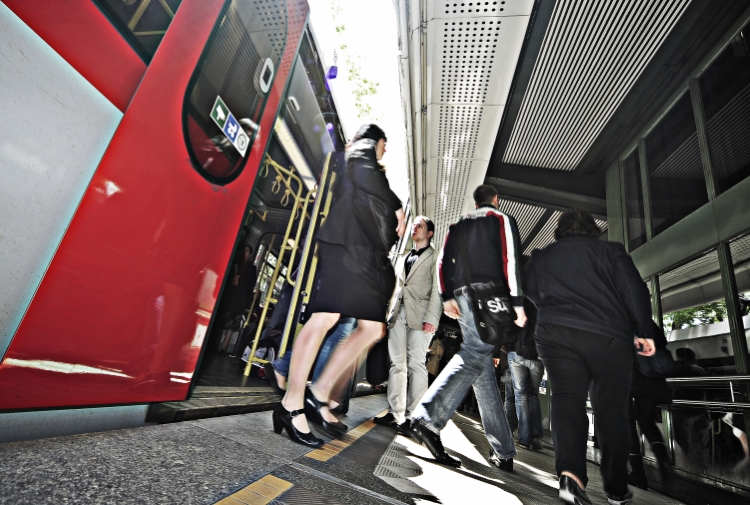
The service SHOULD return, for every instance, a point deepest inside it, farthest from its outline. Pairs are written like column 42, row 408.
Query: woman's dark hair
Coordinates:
column 576, row 222
column 369, row 131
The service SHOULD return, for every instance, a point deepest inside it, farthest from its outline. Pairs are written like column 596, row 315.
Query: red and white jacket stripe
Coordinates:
column 492, row 244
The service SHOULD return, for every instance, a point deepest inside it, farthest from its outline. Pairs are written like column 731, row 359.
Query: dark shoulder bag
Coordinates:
column 490, row 303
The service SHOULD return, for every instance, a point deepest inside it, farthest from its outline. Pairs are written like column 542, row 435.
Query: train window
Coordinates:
column 142, row 22
column 227, row 93
column 634, row 200
column 677, row 183
column 740, row 251
column 725, row 87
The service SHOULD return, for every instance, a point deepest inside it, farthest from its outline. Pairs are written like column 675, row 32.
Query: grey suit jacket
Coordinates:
column 418, row 292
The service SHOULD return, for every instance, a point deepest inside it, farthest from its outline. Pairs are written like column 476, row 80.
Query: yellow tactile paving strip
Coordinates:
column 335, row 446
column 260, row 492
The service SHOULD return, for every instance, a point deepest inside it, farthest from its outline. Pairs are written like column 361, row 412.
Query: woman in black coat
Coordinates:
column 354, row 279
column 592, row 302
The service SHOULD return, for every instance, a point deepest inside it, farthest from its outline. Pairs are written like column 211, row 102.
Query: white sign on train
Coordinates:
column 229, row 125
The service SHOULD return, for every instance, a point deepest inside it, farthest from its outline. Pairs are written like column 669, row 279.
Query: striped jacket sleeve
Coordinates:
column 510, row 248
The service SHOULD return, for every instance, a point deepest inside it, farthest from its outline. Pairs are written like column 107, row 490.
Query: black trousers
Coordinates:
column 581, row 364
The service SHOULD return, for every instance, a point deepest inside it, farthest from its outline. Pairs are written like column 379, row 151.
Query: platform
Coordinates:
column 238, row 459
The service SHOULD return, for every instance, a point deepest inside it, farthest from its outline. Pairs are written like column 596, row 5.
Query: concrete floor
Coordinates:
column 232, row 459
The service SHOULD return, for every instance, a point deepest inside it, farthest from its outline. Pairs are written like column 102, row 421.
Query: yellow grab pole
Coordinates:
column 305, row 254
column 279, row 261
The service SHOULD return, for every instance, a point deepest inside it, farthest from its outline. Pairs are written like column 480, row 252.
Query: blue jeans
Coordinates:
column 527, row 375
column 471, row 366
column 343, row 329
column 510, row 402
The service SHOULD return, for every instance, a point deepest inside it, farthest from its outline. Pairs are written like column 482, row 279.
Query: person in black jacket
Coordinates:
column 591, row 303
column 354, row 279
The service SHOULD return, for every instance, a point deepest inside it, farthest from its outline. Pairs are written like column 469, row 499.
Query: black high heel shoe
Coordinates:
column 282, row 418
column 312, row 411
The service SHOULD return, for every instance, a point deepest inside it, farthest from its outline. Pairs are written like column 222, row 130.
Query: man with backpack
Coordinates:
column 492, row 238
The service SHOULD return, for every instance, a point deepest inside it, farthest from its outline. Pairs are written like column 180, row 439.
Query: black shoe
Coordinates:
column 282, row 418
column 502, row 464
column 312, row 411
column 614, row 499
column 433, row 443
column 571, row 494
column 270, row 373
column 536, row 444
column 403, row 428
column 638, row 479
column 386, row 420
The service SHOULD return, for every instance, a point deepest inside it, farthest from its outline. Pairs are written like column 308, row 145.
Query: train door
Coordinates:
column 121, row 312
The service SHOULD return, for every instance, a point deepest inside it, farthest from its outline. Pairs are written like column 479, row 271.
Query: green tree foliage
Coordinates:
column 696, row 316
column 364, row 88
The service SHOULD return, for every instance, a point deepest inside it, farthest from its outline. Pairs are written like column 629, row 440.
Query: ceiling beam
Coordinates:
column 546, row 197
column 583, row 184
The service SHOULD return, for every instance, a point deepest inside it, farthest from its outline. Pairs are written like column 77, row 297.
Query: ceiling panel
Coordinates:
column 592, row 54
column 480, row 10
column 473, row 60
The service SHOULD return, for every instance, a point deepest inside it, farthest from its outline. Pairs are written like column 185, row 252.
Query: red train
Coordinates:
column 114, row 270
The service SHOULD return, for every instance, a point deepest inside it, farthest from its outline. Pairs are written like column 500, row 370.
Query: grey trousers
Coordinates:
column 407, row 380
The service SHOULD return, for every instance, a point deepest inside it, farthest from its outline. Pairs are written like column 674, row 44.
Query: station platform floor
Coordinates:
column 236, row 460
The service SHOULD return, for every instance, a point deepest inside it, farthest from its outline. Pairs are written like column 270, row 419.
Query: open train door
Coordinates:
column 121, row 313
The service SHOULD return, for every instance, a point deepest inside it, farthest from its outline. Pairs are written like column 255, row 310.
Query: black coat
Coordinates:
column 590, row 284
column 363, row 211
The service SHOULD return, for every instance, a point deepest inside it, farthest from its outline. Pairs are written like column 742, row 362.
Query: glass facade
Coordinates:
column 676, row 179
column 725, row 88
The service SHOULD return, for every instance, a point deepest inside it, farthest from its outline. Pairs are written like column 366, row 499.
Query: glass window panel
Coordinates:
column 740, row 251
column 726, row 97
column 710, row 442
column 695, row 318
column 634, row 200
column 142, row 22
column 675, row 169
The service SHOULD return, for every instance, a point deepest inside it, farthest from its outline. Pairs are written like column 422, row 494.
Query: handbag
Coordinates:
column 490, row 303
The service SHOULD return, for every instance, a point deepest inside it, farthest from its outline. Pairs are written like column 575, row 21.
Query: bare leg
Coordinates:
column 306, row 349
column 367, row 333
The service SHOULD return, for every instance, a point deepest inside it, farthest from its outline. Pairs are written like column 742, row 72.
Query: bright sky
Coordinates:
column 370, row 35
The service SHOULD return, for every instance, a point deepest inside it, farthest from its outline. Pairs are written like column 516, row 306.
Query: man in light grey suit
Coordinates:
column 414, row 315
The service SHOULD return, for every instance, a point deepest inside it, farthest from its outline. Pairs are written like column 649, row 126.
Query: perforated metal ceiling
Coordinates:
column 592, row 54
column 472, row 52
